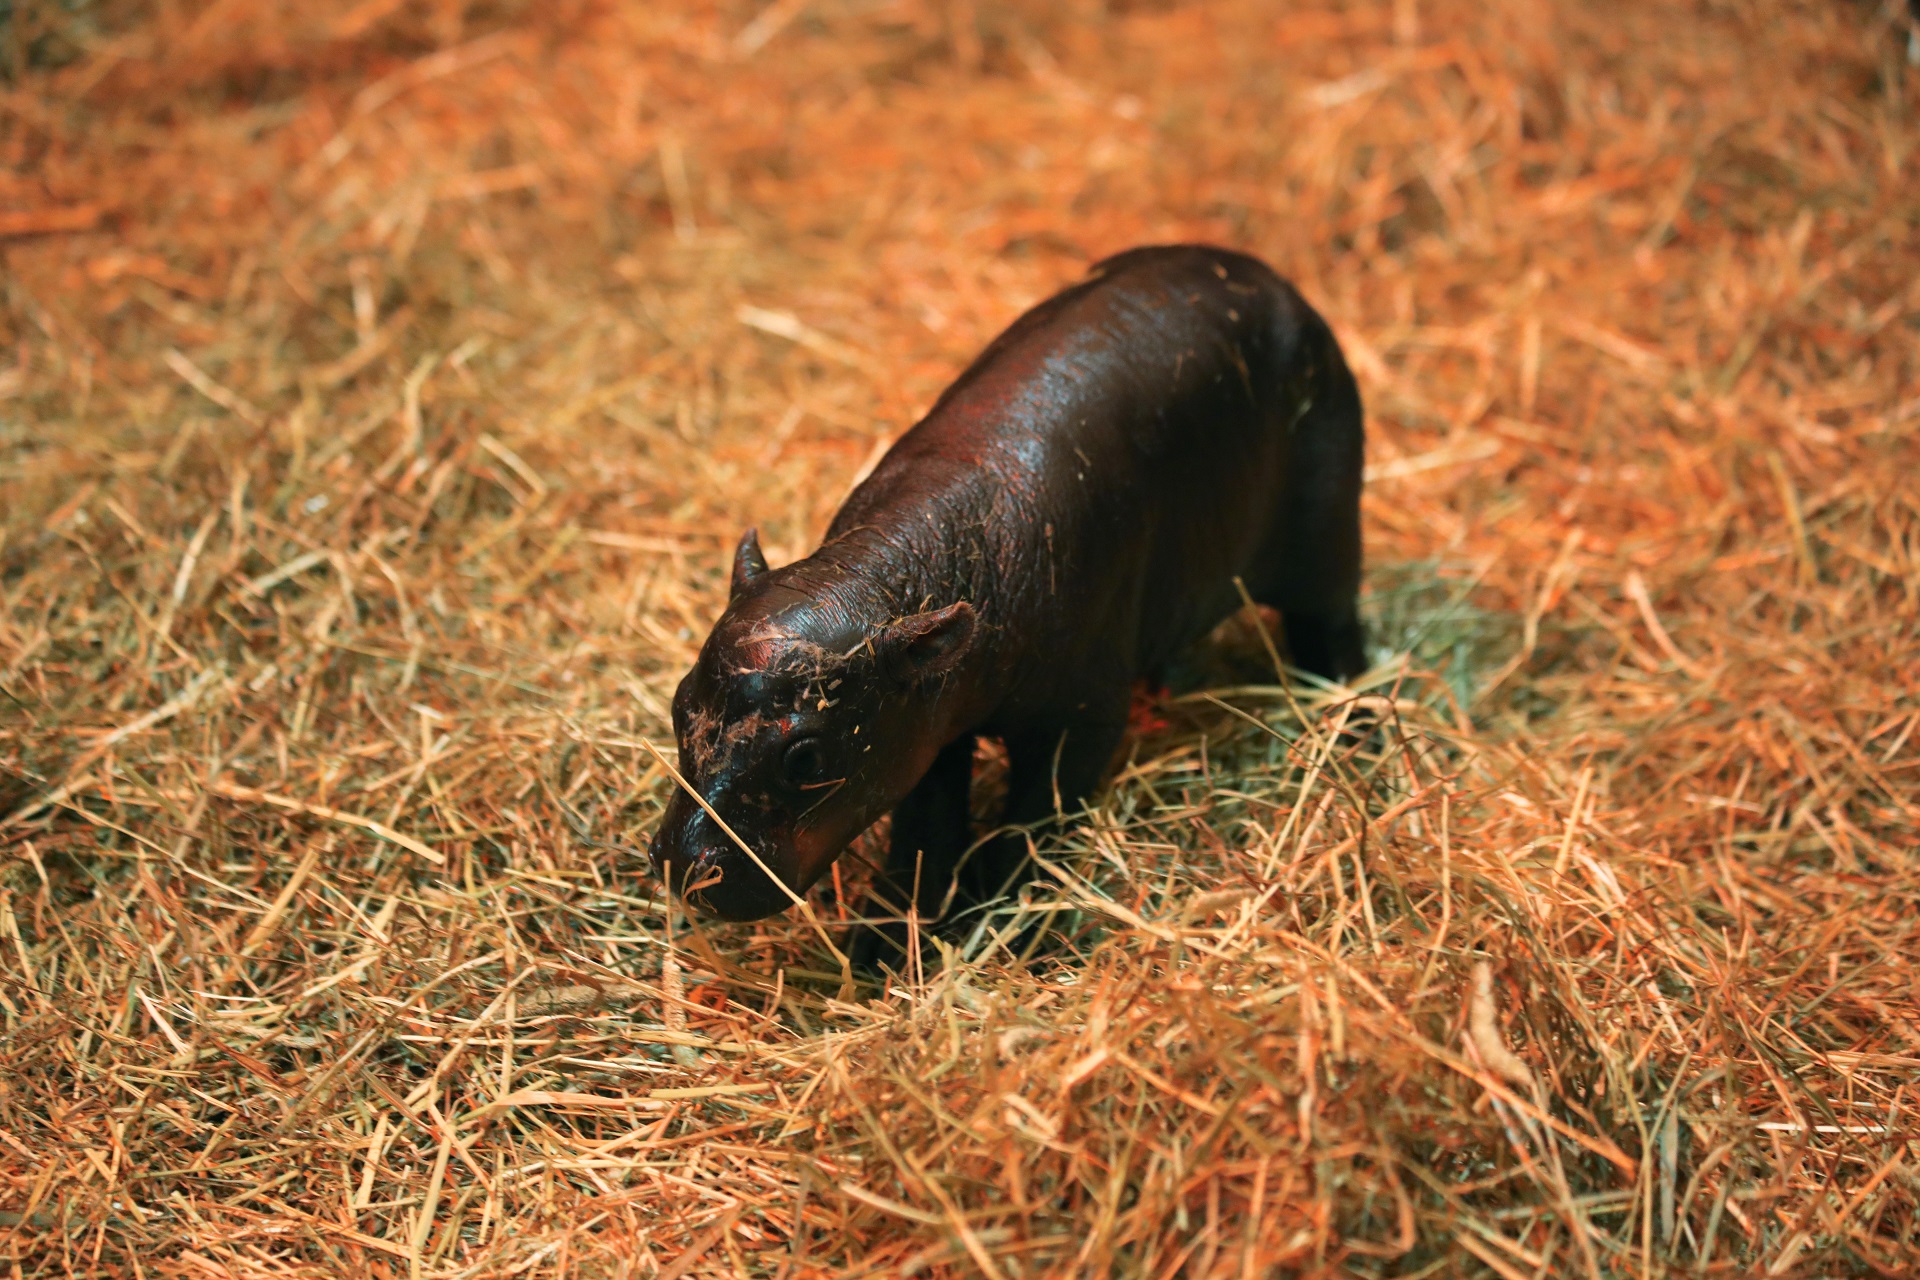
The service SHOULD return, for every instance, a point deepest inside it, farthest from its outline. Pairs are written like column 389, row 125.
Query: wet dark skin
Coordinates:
column 1071, row 514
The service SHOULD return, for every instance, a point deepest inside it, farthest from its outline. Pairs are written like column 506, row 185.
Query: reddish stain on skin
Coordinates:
column 759, row 654
column 1143, row 713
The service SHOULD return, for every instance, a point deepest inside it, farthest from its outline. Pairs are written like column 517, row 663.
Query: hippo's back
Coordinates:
column 1097, row 478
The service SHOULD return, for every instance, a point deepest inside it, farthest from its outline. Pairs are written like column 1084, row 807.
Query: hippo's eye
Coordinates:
column 805, row 762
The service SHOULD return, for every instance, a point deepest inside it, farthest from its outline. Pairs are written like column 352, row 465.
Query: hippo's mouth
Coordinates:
column 725, row 883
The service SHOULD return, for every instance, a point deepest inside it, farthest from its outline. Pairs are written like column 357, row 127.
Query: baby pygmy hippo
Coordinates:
column 1071, row 513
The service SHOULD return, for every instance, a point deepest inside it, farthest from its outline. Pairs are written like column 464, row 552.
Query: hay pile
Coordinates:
column 383, row 384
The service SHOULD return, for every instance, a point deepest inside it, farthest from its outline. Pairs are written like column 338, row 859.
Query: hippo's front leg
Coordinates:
column 1051, row 774
column 931, row 832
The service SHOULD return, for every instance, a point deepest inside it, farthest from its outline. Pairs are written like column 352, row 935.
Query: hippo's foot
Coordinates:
column 889, row 944
column 1057, row 768
column 883, row 945
column 1034, row 940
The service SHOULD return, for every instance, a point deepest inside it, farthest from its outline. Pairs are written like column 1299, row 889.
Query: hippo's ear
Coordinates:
column 927, row 644
column 748, row 563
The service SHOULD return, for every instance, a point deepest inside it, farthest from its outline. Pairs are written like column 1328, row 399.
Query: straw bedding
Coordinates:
column 382, row 387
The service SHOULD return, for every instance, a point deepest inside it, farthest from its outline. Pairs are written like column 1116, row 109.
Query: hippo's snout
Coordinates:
column 706, row 869
column 728, row 885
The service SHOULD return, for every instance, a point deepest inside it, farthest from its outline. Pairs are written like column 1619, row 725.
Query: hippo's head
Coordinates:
column 809, row 713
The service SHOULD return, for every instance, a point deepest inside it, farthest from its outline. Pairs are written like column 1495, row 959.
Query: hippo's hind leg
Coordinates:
column 1309, row 568
column 931, row 832
column 1334, row 649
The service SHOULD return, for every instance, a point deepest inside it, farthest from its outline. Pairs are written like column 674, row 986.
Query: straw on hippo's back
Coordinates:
column 1073, row 511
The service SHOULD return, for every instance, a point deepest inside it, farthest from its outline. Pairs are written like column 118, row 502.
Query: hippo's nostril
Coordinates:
column 705, row 871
